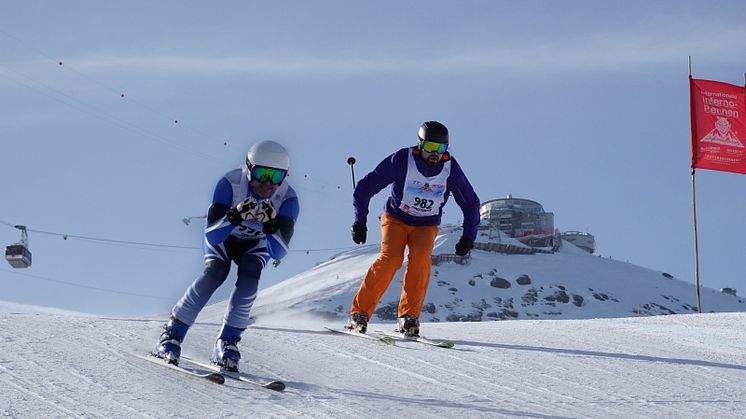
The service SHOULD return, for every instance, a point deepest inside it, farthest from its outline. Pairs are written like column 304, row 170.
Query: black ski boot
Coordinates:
column 408, row 325
column 358, row 322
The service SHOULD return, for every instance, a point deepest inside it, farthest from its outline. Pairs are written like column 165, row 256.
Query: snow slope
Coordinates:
column 569, row 284
column 55, row 365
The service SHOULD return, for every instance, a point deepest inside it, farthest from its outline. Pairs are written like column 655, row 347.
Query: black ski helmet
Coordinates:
column 433, row 131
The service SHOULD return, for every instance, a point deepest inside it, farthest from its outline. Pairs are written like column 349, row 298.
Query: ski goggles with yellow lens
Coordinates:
column 268, row 174
column 433, row 147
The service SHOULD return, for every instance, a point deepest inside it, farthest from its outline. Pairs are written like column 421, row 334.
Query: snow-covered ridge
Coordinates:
column 568, row 284
column 9, row 307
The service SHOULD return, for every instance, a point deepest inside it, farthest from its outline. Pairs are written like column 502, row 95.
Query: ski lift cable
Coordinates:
column 101, row 84
column 73, row 284
column 101, row 239
column 326, row 188
column 92, row 110
column 131, row 126
column 151, row 245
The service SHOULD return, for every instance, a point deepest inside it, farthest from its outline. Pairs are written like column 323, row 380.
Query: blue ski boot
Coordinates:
column 169, row 343
column 226, row 352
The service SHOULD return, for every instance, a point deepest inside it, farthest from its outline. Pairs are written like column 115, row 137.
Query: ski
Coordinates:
column 420, row 339
column 385, row 339
column 270, row 385
column 209, row 376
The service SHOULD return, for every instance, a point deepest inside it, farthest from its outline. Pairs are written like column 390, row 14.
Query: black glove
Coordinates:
column 234, row 217
column 243, row 211
column 359, row 232
column 464, row 245
column 271, row 226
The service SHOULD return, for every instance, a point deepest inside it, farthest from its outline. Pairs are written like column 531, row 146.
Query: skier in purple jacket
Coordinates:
column 422, row 179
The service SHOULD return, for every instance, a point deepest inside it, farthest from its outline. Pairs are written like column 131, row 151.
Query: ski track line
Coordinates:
column 195, row 393
column 59, row 382
column 526, row 395
column 653, row 381
column 350, row 407
column 472, row 393
column 482, row 381
column 104, row 390
column 651, row 378
column 363, row 410
column 494, row 367
column 697, row 378
column 26, row 389
column 566, row 375
column 75, row 371
column 451, row 387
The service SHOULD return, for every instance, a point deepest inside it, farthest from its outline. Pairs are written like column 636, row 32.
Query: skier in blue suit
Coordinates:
column 250, row 221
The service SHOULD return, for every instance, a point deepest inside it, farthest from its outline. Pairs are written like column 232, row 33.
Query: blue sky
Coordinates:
column 582, row 106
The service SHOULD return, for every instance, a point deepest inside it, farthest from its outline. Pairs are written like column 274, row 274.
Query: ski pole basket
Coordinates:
column 18, row 254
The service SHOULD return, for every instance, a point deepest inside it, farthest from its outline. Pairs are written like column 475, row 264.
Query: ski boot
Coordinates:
column 226, row 352
column 358, row 322
column 169, row 343
column 409, row 326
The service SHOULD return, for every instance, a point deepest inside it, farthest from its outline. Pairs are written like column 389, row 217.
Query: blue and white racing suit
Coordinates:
column 244, row 244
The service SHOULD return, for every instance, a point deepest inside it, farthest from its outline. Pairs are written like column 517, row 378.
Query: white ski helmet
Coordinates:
column 269, row 154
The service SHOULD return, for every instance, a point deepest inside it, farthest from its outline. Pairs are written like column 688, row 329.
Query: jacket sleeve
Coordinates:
column 466, row 199
column 383, row 175
column 218, row 228
column 287, row 215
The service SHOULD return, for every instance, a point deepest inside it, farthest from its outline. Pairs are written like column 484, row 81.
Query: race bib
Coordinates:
column 423, row 196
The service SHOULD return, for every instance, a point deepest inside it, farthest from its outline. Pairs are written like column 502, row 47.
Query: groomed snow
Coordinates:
column 61, row 365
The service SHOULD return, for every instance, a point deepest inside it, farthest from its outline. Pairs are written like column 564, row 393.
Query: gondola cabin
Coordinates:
column 18, row 254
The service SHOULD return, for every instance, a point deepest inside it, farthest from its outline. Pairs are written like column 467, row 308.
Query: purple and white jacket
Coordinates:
column 393, row 171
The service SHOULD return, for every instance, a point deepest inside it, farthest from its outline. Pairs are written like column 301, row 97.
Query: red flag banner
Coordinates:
column 718, row 125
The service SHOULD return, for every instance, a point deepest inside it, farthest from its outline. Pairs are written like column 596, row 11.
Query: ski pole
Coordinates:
column 351, row 162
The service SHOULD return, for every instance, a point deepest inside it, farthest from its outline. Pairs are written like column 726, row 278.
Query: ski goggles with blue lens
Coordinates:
column 433, row 147
column 268, row 174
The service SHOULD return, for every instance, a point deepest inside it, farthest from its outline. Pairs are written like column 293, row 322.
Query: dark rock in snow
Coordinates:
column 388, row 311
column 458, row 317
column 523, row 280
column 530, row 297
column 498, row 282
column 600, row 296
column 559, row 296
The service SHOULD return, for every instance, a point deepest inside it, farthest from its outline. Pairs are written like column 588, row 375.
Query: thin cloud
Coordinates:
column 591, row 53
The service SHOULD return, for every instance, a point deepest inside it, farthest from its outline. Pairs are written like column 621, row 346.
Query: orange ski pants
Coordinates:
column 396, row 235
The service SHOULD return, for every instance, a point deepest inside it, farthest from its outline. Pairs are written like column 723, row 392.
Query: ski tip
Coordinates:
column 388, row 340
column 446, row 344
column 216, row 378
column 275, row 385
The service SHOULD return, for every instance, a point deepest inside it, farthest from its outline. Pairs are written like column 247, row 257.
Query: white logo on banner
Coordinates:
column 722, row 134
